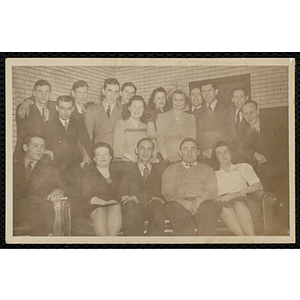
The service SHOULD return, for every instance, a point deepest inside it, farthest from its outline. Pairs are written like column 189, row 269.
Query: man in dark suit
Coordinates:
column 62, row 135
column 141, row 196
column 196, row 100
column 36, row 186
column 264, row 144
column 238, row 97
column 214, row 120
column 39, row 111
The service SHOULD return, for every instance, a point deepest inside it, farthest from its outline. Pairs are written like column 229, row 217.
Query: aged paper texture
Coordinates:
column 270, row 82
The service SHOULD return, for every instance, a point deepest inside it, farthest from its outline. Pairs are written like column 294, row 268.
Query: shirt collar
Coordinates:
column 80, row 109
column 257, row 125
column 212, row 105
column 232, row 168
column 33, row 162
column 142, row 167
column 63, row 122
column 187, row 166
column 40, row 108
column 105, row 105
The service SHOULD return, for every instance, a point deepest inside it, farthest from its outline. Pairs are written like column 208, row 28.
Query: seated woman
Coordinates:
column 157, row 103
column 99, row 190
column 234, row 183
column 130, row 130
column 173, row 126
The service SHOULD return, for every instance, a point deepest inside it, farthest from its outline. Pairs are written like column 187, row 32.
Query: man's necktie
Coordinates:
column 28, row 170
column 66, row 124
column 146, row 173
column 238, row 118
column 209, row 108
column 108, row 111
column 44, row 117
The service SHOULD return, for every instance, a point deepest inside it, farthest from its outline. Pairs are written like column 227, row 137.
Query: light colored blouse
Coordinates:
column 171, row 130
column 126, row 137
column 236, row 178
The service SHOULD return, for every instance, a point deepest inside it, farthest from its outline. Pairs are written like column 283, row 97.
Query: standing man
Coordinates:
column 196, row 100
column 141, row 196
column 128, row 90
column 38, row 111
column 190, row 189
column 62, row 135
column 36, row 186
column 214, row 120
column 239, row 96
column 101, row 118
column 80, row 93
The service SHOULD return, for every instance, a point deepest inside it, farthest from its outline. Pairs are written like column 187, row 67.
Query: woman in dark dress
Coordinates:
column 99, row 190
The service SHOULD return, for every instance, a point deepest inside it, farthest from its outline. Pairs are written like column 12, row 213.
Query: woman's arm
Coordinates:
column 99, row 201
column 250, row 189
column 119, row 139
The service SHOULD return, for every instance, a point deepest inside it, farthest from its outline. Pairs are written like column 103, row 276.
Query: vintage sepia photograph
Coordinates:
column 149, row 150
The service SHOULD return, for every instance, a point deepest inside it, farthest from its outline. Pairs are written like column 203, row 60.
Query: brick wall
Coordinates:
column 269, row 85
column 61, row 80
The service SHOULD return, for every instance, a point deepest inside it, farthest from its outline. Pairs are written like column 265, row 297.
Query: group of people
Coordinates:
column 123, row 161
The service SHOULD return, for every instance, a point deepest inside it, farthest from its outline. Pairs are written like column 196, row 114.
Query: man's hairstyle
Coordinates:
column 250, row 102
column 32, row 135
column 212, row 82
column 126, row 113
column 103, row 145
column 65, row 98
column 79, row 84
column 188, row 139
column 239, row 88
column 214, row 159
column 41, row 82
column 178, row 92
column 195, row 87
column 110, row 81
column 151, row 103
column 129, row 84
column 145, row 139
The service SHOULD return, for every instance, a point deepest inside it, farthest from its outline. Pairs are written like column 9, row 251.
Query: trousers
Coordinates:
column 135, row 214
column 184, row 223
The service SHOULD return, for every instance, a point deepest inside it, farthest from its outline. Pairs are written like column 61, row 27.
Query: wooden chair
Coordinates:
column 61, row 225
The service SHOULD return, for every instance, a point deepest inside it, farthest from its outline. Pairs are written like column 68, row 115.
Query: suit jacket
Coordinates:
column 133, row 184
column 29, row 203
column 272, row 141
column 99, row 127
column 64, row 143
column 219, row 126
column 31, row 124
column 42, row 180
column 190, row 111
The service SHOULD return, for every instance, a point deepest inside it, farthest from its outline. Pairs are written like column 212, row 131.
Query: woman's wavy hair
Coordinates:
column 103, row 145
column 151, row 104
column 125, row 111
column 214, row 159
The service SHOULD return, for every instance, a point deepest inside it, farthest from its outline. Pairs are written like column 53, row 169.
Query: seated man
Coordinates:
column 214, row 121
column 189, row 188
column 140, row 194
column 36, row 186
